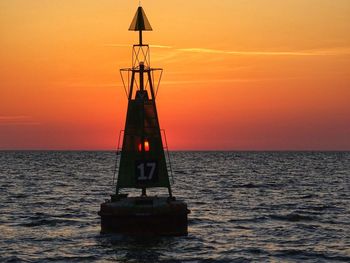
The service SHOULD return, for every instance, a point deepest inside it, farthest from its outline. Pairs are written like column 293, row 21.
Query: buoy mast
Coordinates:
column 142, row 163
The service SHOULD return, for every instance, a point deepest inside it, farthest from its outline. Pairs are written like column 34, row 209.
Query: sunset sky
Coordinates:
column 238, row 74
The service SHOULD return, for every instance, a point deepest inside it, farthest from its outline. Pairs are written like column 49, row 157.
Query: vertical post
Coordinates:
column 140, row 37
column 151, row 84
column 131, row 84
column 142, row 68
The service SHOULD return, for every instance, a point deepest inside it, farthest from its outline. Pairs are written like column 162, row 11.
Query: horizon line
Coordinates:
column 191, row 150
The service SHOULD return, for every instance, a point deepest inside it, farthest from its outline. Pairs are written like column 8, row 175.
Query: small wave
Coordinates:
column 248, row 220
column 293, row 217
column 50, row 221
column 320, row 208
column 301, row 254
column 248, row 185
column 20, row 195
column 180, row 172
column 242, row 227
column 42, row 222
column 71, row 259
column 252, row 185
column 255, row 250
column 335, row 222
column 307, row 196
column 196, row 221
column 11, row 259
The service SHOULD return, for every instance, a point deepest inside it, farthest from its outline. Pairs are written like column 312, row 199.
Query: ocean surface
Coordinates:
column 245, row 207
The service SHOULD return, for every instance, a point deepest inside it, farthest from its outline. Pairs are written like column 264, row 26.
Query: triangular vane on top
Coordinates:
column 140, row 21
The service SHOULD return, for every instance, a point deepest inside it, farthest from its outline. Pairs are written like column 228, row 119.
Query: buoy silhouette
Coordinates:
column 143, row 163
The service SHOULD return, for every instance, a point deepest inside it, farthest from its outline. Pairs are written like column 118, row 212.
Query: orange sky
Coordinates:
column 238, row 75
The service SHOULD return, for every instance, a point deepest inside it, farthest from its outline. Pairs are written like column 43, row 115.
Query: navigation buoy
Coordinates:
column 143, row 163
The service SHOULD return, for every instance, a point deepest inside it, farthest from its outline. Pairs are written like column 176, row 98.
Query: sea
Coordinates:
column 245, row 207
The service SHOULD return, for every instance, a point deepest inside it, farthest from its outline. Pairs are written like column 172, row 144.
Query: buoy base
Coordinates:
column 159, row 216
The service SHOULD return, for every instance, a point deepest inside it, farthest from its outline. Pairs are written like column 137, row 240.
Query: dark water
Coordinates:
column 274, row 207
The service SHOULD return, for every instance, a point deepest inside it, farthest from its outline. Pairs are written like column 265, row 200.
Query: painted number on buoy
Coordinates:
column 146, row 171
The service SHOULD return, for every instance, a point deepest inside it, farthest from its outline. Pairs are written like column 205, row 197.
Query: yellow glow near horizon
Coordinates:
column 238, row 74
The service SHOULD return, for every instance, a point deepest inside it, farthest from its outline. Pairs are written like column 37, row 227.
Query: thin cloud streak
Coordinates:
column 161, row 46
column 17, row 120
column 116, row 45
column 89, row 85
column 31, row 123
column 13, row 118
column 217, row 81
column 265, row 53
column 315, row 52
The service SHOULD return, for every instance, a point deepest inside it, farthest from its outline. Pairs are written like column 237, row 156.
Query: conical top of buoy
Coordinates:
column 140, row 21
